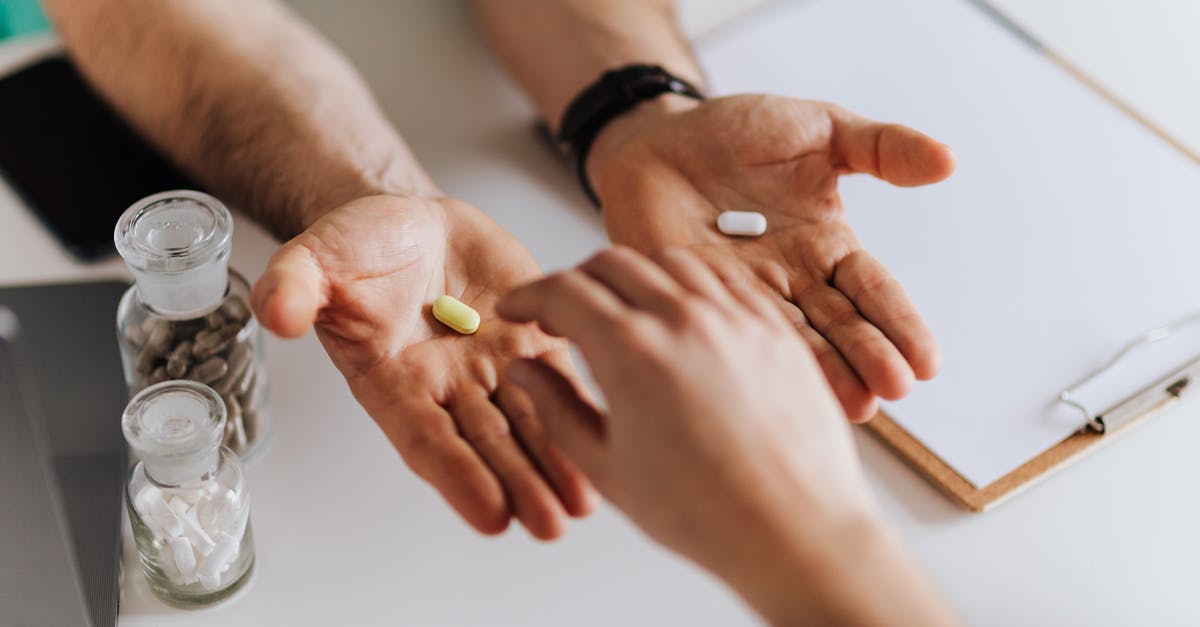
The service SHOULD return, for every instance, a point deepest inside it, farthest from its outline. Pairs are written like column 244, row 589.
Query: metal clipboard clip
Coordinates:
column 1158, row 395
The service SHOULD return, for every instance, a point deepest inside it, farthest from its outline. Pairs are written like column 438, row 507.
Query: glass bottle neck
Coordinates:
column 178, row 299
column 176, row 475
column 177, row 244
column 175, row 428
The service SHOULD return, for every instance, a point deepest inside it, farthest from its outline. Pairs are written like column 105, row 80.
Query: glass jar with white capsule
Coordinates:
column 187, row 498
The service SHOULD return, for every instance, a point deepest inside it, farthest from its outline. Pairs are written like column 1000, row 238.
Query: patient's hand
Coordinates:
column 666, row 170
column 722, row 440
column 366, row 274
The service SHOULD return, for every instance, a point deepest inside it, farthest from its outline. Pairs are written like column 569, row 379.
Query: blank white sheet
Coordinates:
column 1067, row 230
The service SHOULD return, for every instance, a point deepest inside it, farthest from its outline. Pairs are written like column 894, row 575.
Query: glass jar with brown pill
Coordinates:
column 187, row 315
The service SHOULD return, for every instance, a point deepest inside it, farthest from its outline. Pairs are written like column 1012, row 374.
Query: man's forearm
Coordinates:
column 247, row 98
column 556, row 48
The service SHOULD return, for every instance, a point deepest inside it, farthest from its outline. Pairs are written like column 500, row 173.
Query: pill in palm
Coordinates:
column 455, row 314
column 743, row 223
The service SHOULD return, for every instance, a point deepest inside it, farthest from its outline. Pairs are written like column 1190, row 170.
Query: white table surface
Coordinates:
column 346, row 535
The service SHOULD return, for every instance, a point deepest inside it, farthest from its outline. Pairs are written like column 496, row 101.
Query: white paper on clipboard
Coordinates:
column 1068, row 229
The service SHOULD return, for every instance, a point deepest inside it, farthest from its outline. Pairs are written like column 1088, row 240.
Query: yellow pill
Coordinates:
column 455, row 314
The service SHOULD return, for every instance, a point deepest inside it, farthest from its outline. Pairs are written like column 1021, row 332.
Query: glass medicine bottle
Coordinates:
column 187, row 315
column 187, row 497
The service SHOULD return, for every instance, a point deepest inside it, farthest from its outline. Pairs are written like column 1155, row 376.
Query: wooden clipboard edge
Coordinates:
column 963, row 492
column 1017, row 29
column 1121, row 104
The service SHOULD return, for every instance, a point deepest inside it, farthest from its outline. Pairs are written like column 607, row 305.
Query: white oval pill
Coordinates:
column 742, row 223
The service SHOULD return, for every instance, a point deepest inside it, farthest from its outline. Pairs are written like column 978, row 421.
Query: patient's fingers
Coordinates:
column 637, row 280
column 573, row 424
column 568, row 304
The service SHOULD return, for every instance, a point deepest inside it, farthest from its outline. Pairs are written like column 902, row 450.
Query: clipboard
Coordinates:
column 970, row 58
column 1100, row 427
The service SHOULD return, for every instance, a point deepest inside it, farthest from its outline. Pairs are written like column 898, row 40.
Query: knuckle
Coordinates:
column 791, row 316
column 420, row 446
column 558, row 280
column 843, row 318
column 604, row 258
column 693, row 314
column 863, row 342
column 482, row 369
column 487, row 436
column 617, row 258
column 872, row 283
column 640, row 333
column 676, row 254
column 685, row 260
column 660, row 257
column 525, row 423
column 620, row 251
column 871, row 276
column 554, row 286
column 513, row 344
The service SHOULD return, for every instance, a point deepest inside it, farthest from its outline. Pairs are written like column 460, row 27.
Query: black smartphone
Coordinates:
column 72, row 159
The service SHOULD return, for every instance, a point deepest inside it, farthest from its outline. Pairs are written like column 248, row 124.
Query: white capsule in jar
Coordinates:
column 742, row 223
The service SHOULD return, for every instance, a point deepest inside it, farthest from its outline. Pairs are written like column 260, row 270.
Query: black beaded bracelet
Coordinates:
column 616, row 92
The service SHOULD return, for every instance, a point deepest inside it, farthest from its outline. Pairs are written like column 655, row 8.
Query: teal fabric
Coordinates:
column 21, row 17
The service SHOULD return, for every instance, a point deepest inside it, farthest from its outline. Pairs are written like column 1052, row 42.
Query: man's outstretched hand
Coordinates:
column 665, row 171
column 365, row 274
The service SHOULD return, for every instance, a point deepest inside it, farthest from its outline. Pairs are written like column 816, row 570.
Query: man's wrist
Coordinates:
column 410, row 182
column 645, row 116
column 613, row 95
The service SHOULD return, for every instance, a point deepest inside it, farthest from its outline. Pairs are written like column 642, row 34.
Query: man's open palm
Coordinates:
column 366, row 275
column 663, row 177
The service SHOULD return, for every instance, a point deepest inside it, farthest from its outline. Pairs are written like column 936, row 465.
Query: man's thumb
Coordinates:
column 897, row 154
column 290, row 292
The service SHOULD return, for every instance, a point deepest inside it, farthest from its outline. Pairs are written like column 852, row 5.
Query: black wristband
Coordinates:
column 616, row 92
